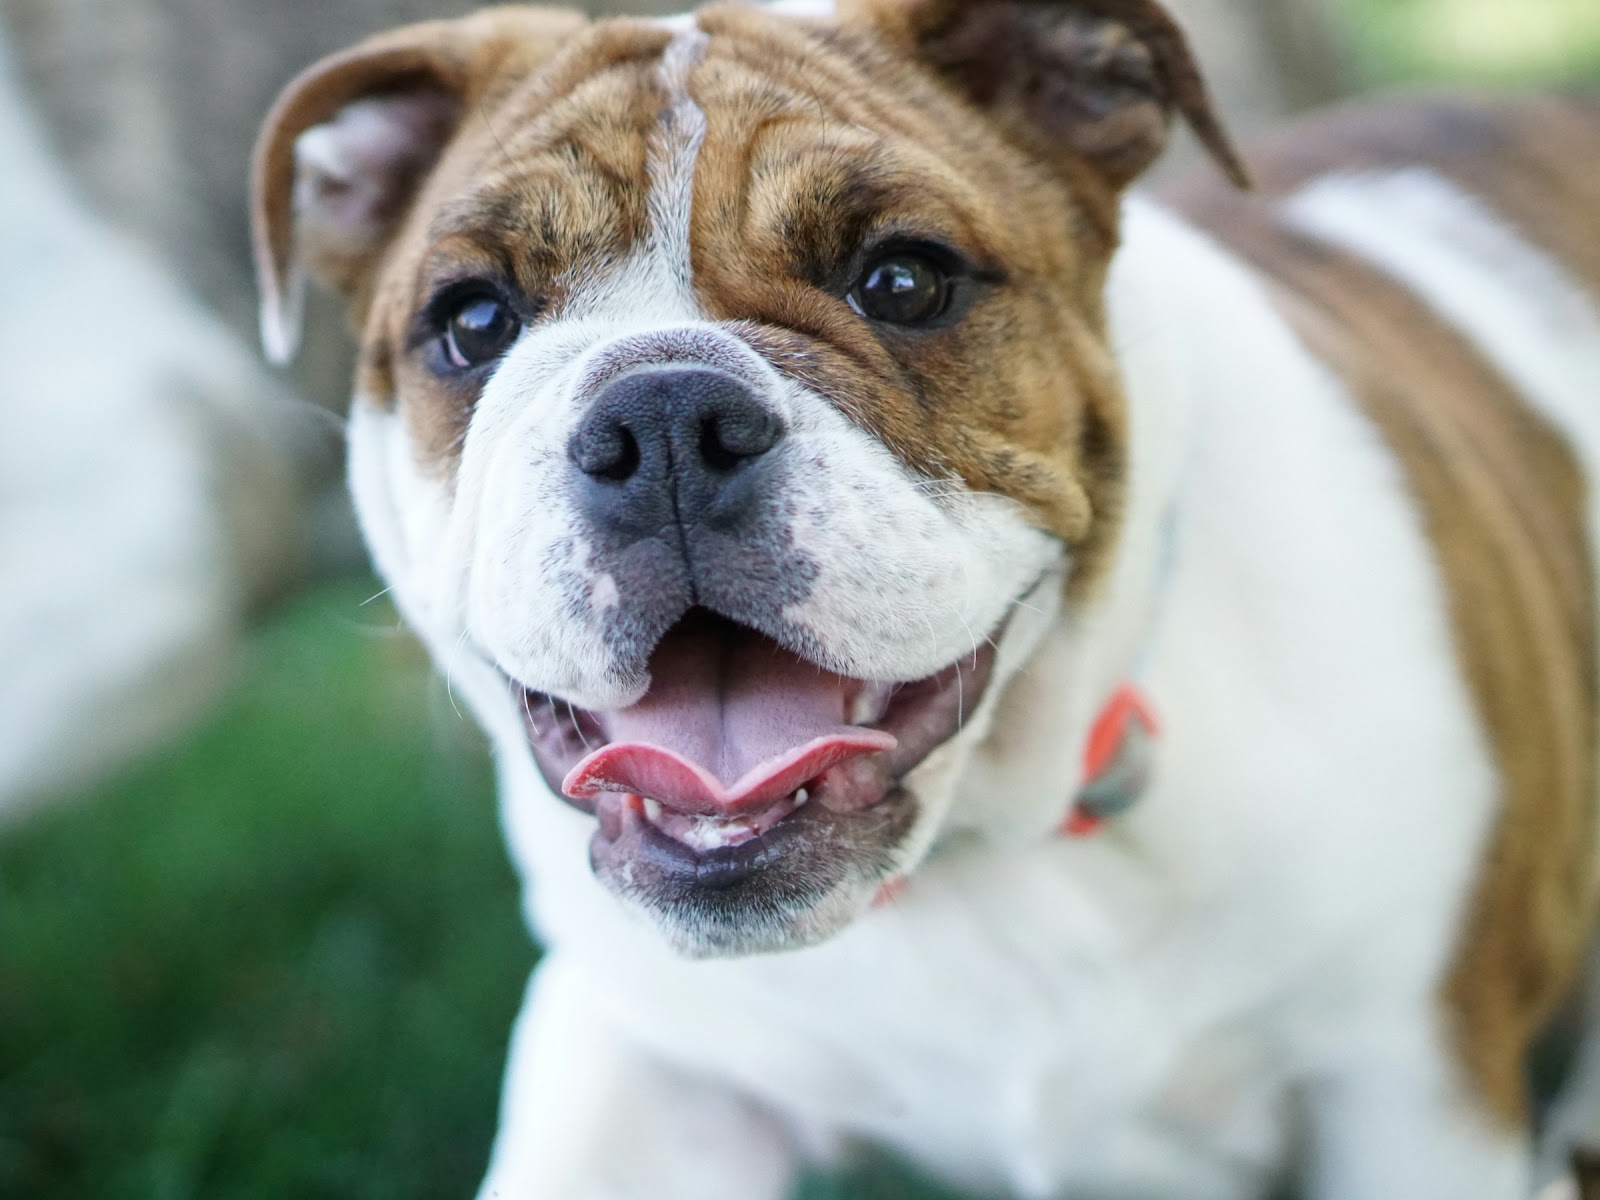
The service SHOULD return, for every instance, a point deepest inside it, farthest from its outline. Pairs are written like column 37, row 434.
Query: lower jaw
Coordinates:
column 806, row 875
column 791, row 887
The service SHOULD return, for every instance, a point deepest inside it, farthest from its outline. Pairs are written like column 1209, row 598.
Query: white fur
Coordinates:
column 1149, row 1013
column 623, row 1112
column 674, row 152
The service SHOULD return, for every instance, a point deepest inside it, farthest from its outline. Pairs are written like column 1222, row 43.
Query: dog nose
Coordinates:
column 673, row 444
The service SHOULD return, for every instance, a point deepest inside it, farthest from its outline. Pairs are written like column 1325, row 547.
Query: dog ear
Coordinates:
column 348, row 144
column 1099, row 79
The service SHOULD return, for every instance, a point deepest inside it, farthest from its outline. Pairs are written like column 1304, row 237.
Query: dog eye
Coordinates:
column 902, row 288
column 478, row 329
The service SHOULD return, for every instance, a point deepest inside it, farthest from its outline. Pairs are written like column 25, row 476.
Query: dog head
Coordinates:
column 730, row 389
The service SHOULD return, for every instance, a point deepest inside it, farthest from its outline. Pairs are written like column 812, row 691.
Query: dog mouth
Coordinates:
column 738, row 737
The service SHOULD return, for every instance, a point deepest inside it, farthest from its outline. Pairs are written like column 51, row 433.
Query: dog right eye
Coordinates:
column 902, row 288
column 477, row 330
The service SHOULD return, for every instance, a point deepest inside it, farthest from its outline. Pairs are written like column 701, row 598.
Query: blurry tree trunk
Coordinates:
column 1266, row 58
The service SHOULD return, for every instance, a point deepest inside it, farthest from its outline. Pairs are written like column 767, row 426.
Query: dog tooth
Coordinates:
column 801, row 796
column 870, row 703
column 652, row 809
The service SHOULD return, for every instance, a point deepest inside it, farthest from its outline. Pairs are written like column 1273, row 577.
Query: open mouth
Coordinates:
column 738, row 736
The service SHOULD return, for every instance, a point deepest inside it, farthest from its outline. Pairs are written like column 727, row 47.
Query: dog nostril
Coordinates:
column 610, row 452
column 712, row 452
column 726, row 440
column 626, row 461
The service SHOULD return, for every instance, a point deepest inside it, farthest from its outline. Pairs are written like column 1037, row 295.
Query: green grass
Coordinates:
column 1512, row 42
column 279, row 961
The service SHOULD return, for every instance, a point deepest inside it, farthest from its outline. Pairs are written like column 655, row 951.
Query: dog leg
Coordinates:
column 1398, row 1123
column 587, row 1115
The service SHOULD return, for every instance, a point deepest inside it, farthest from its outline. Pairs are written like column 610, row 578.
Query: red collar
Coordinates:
column 1116, row 770
column 1116, row 762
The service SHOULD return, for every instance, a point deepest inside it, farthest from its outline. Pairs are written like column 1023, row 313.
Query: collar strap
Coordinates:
column 1116, row 762
column 1116, row 770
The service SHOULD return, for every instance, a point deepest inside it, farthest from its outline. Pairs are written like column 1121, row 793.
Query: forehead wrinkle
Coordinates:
column 875, row 176
column 505, row 200
column 746, row 171
column 674, row 147
column 770, row 83
column 805, row 68
column 557, row 183
column 847, row 79
column 623, row 97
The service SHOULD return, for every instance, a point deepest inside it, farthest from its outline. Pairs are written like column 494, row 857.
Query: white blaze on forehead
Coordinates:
column 654, row 286
column 674, row 150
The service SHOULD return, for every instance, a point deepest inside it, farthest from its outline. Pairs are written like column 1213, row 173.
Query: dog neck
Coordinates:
column 1094, row 650
column 1178, row 308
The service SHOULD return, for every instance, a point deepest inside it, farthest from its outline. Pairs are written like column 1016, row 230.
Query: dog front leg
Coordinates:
column 1399, row 1124
column 587, row 1115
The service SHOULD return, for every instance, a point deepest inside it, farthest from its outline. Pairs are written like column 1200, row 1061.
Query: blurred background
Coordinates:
column 258, row 934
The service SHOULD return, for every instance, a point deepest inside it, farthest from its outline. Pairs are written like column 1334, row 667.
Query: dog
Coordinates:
column 1093, row 692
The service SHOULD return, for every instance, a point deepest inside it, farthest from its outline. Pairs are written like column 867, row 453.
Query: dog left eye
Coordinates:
column 902, row 288
column 477, row 330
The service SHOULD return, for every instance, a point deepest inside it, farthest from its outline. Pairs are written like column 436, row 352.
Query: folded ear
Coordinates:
column 1098, row 79
column 349, row 142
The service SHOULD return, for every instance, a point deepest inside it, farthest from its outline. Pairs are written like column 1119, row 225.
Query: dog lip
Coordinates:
column 689, row 789
column 710, row 869
column 702, row 833
column 745, row 869
column 912, row 720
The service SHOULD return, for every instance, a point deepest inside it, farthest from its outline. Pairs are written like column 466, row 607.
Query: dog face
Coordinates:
column 726, row 386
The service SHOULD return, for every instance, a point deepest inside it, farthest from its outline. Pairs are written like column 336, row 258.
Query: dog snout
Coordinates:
column 674, row 445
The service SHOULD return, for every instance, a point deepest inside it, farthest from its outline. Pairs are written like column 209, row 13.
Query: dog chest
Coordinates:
column 999, row 1025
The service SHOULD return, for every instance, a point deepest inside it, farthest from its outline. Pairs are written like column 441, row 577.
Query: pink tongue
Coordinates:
column 732, row 722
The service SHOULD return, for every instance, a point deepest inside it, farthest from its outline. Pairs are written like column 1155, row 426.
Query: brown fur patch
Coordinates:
column 820, row 144
column 1504, row 502
column 543, row 175
column 543, row 185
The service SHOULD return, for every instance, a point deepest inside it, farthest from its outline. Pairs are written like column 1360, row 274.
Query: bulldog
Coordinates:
column 1092, row 692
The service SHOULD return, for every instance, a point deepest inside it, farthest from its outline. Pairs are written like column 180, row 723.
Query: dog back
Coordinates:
column 1442, row 256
